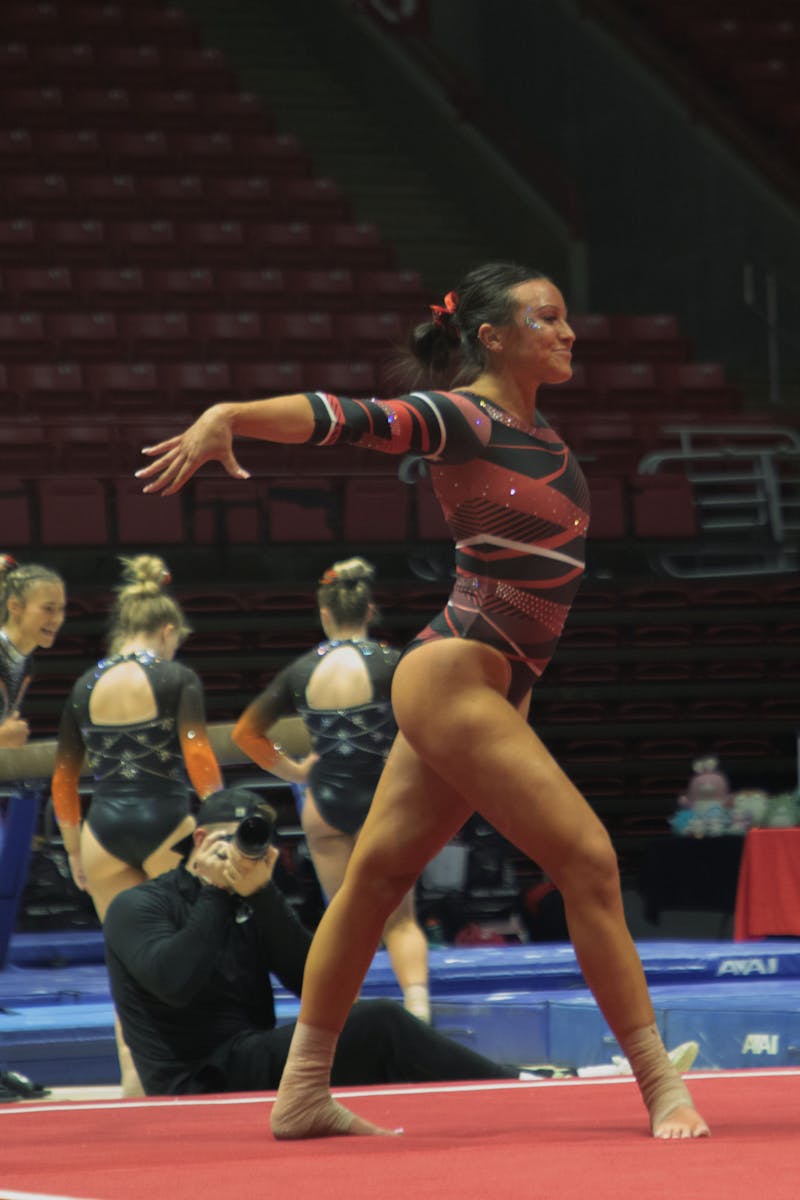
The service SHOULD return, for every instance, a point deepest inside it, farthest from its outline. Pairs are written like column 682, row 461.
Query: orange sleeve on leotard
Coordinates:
column 201, row 762
column 248, row 734
column 70, row 754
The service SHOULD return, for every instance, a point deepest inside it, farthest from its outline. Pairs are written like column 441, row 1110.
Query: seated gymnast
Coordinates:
column 189, row 959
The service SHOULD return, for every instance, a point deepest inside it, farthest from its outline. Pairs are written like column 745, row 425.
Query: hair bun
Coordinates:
column 350, row 570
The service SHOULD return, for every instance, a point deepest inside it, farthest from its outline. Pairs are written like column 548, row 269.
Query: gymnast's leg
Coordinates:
column 413, row 814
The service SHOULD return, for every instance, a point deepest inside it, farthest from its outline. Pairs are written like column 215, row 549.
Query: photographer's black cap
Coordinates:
column 231, row 804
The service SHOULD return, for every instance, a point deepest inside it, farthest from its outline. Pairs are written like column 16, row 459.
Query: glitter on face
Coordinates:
column 529, row 320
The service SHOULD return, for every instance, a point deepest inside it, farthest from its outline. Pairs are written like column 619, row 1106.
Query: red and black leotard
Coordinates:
column 515, row 500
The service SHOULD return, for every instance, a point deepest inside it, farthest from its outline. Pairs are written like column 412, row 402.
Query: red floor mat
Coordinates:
column 553, row 1141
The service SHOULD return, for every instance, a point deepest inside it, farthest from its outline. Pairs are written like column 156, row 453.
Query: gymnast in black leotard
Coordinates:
column 517, row 505
column 342, row 691
column 138, row 718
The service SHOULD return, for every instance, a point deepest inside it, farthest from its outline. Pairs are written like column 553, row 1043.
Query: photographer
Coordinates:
column 189, row 958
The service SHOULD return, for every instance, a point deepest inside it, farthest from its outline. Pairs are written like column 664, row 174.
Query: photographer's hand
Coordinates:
column 248, row 875
column 211, row 861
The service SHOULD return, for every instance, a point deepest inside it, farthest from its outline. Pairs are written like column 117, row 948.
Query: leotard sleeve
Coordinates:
column 70, row 753
column 249, row 733
column 201, row 763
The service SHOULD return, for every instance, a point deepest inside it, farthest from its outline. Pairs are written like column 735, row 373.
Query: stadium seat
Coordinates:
column 392, row 291
column 651, row 337
column 314, row 198
column 236, row 112
column 82, row 240
column 256, row 287
column 183, row 287
column 332, row 289
column 134, row 150
column 36, row 193
column 625, row 384
column 44, row 387
column 68, row 149
column 273, row 153
column 370, row 334
column 124, row 385
column 15, row 512
column 201, row 67
column 111, row 287
column 350, row 378
column 375, row 510
column 18, row 240
column 146, row 520
column 609, row 517
column 301, row 514
column 84, row 335
column 32, row 105
column 594, row 337
column 106, row 196
column 38, row 286
column 136, row 242
column 206, row 151
column 304, row 334
column 99, row 105
column 72, row 511
column 227, row 511
column 193, row 385
column 157, row 334
column 663, row 506
column 352, row 244
column 23, row 335
column 16, row 149
column 241, row 196
column 257, row 379
column 431, row 525
column 206, row 241
column 229, row 334
column 84, row 444
column 282, row 243
column 25, row 450
column 181, row 196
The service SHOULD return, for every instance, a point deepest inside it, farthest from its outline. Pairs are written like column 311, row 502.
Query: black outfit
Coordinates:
column 15, row 674
column 191, row 986
column 141, row 791
column 352, row 743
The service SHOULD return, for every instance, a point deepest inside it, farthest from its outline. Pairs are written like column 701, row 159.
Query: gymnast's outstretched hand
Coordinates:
column 209, row 438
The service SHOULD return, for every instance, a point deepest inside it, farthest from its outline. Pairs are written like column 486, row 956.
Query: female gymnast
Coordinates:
column 517, row 505
column 342, row 691
column 32, row 607
column 139, row 718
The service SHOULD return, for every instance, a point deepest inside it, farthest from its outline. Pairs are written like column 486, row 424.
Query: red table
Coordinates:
column 768, row 894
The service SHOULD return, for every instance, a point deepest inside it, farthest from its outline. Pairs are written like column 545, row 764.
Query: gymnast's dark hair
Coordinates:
column 446, row 349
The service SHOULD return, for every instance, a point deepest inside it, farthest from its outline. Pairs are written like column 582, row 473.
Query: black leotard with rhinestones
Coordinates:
column 515, row 500
column 352, row 743
column 141, row 791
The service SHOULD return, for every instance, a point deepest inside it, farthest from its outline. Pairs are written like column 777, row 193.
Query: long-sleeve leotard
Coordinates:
column 141, row 792
column 516, row 503
column 15, row 674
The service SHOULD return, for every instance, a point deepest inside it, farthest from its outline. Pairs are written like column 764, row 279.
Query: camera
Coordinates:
column 254, row 835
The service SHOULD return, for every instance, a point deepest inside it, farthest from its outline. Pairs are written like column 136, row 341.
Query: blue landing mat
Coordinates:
column 524, row 1004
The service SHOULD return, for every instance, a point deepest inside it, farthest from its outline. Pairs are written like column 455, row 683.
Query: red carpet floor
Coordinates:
column 552, row 1141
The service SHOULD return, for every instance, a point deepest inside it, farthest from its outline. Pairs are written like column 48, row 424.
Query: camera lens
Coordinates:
column 253, row 836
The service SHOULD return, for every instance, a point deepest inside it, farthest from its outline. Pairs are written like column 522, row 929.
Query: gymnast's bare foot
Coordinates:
column 323, row 1118
column 682, row 1122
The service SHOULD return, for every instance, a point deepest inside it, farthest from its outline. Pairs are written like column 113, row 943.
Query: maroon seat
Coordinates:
column 85, row 444
column 137, row 241
column 241, row 196
column 431, row 525
column 257, row 379
column 157, row 334
column 651, row 336
column 375, row 510
column 595, row 337
column 301, row 514
column 626, row 383
column 282, row 243
column 23, row 335
column 146, row 520
column 204, row 68
column 346, row 378
column 15, row 512
column 332, row 289
column 205, row 151
column 304, row 334
column 370, row 334
column 236, row 112
column 227, row 511
column 663, row 506
column 113, row 287
column 99, row 105
column 272, row 153
column 32, row 105
column 257, row 287
column 134, row 150
column 74, row 240
column 110, row 195
column 352, row 244
column 195, row 385
column 609, row 516
column 72, row 511
column 132, row 65
column 392, row 291
column 18, row 242
column 228, row 334
column 60, row 62
column 35, row 193
column 207, row 241
column 68, row 149
column 26, row 451
column 126, row 385
column 177, row 196
column 313, row 198
column 49, row 387
column 16, row 149
column 164, row 107
column 39, row 286
column 183, row 287
column 84, row 335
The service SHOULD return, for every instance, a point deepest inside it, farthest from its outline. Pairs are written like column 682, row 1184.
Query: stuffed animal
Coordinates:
column 748, row 810
column 782, row 811
column 704, row 811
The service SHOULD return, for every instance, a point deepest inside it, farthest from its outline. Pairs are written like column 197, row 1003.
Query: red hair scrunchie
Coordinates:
column 443, row 313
